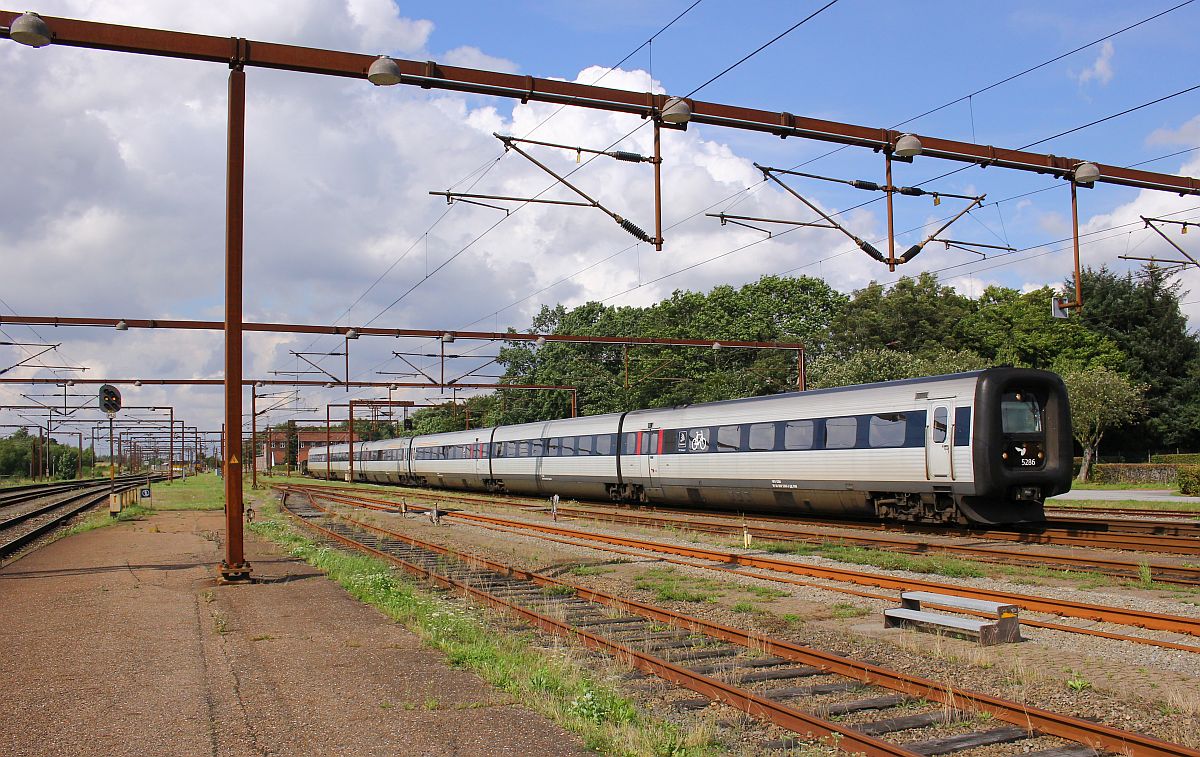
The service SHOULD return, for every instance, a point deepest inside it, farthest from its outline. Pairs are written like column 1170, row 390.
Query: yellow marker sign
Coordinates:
column 233, row 460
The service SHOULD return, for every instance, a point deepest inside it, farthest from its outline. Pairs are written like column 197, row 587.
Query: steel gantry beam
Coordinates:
column 240, row 52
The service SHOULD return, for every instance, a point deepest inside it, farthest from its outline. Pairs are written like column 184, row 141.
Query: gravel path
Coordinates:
column 119, row 642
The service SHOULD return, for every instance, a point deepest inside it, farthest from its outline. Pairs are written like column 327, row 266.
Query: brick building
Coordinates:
column 274, row 444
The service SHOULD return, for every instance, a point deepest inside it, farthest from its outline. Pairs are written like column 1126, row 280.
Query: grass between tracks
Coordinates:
column 562, row 686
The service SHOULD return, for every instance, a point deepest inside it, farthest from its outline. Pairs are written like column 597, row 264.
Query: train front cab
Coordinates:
column 1021, row 450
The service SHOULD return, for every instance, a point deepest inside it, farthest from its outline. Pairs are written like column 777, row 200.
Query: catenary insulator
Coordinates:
column 635, row 230
column 860, row 184
column 868, row 248
column 631, row 157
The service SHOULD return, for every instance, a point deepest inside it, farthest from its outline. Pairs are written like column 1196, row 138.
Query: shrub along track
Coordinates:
column 790, row 530
column 781, row 570
column 735, row 667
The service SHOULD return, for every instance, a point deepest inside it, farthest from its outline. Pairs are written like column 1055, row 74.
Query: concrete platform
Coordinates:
column 119, row 642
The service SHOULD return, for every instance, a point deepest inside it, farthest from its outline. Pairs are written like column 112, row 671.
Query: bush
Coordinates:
column 1189, row 480
column 1187, row 458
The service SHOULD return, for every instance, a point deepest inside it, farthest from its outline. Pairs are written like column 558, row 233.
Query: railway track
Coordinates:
column 25, row 517
column 795, row 687
column 783, row 530
column 783, row 571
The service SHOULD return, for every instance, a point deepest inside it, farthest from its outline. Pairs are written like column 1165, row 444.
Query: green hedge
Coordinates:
column 1189, row 480
column 1133, row 473
column 1187, row 458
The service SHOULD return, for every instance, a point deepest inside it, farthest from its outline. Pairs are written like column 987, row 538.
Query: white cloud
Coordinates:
column 469, row 56
column 1188, row 134
column 1101, row 70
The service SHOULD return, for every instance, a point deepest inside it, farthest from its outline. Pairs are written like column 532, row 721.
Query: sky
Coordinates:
column 112, row 193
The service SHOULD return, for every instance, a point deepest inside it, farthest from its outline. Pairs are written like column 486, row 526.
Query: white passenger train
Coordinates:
column 982, row 447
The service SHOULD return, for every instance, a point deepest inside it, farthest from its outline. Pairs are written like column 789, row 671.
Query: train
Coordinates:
column 983, row 447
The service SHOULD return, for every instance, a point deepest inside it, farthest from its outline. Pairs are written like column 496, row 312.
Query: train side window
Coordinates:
column 604, row 444
column 554, row 446
column 840, row 433
column 729, row 438
column 523, row 448
column 497, row 449
column 568, row 446
column 629, row 443
column 762, row 437
column 798, row 435
column 586, row 445
column 537, row 447
column 887, row 430
column 940, row 427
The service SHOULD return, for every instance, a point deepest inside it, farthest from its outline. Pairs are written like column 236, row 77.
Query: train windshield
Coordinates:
column 1021, row 413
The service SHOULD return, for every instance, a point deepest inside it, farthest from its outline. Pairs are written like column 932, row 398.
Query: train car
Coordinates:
column 981, row 447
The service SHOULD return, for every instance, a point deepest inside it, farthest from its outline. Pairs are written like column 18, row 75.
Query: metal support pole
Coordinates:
column 171, row 452
column 574, row 403
column 350, row 439
column 254, row 438
column 887, row 158
column 79, row 463
column 328, row 455
column 234, row 567
column 658, row 235
column 93, row 452
column 347, row 355
column 1078, row 303
column 801, row 373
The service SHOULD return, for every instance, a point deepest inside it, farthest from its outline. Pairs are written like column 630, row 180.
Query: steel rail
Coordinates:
column 1095, row 735
column 782, row 715
column 240, row 52
column 1067, row 608
column 1121, row 568
column 89, row 499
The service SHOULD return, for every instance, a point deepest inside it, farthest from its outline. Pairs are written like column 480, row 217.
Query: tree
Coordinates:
column 1100, row 400
column 1141, row 315
column 869, row 366
column 912, row 316
column 1010, row 328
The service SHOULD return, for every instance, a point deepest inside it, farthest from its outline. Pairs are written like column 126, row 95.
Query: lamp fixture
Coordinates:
column 447, row 338
column 29, row 29
column 716, row 345
column 908, row 146
column 384, row 72
column 676, row 110
column 137, row 383
column 394, row 387
column 121, row 325
column 352, row 333
column 1086, row 173
column 540, row 341
column 329, row 385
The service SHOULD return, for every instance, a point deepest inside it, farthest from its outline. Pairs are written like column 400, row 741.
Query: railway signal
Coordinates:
column 110, row 399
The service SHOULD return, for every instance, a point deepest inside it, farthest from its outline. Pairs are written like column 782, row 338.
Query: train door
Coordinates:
column 651, row 451
column 939, row 440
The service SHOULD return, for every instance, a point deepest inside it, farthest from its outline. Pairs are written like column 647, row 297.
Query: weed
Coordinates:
column 430, row 704
column 791, row 618
column 766, row 592
column 386, row 705
column 553, row 684
column 220, row 622
column 845, row 610
column 559, row 591
column 590, row 570
column 1078, row 683
column 1145, row 577
column 262, row 637
column 744, row 607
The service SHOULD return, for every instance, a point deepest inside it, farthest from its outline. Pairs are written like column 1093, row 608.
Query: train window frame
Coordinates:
column 940, row 424
column 839, row 424
column 722, row 439
column 567, row 448
column 790, row 426
column 759, row 427
column 604, row 444
column 898, row 422
column 629, row 443
column 1021, row 400
column 586, row 445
